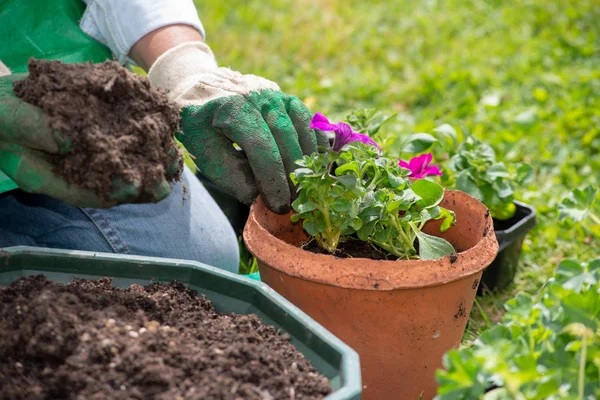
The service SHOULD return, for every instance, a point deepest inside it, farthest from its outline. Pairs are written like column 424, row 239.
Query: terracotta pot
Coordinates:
column 400, row 316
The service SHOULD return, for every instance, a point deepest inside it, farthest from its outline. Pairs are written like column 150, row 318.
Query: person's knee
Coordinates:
column 222, row 249
column 183, row 226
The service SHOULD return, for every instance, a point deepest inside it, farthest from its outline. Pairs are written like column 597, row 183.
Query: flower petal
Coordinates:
column 343, row 132
column 419, row 166
column 319, row 121
column 359, row 137
column 404, row 164
column 427, row 157
column 433, row 170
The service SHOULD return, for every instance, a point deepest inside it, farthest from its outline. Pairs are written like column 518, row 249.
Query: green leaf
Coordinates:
column 576, row 206
column 465, row 182
column 376, row 123
column 349, row 181
column 524, row 173
column 304, row 172
column 572, row 275
column 341, row 205
column 432, row 247
column 449, row 134
column 418, row 142
column 311, row 227
column 449, row 219
column 348, row 167
column 431, row 193
column 430, row 213
column 498, row 170
column 366, row 229
column 356, row 223
column 305, row 207
column 503, row 189
column 582, row 307
column 493, row 335
column 396, row 182
column 462, row 377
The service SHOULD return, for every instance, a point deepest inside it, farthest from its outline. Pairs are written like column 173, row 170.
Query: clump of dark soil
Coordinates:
column 351, row 248
column 88, row 340
column 119, row 126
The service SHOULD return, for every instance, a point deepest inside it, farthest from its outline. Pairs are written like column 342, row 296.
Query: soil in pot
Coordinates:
column 119, row 126
column 90, row 340
column 350, row 248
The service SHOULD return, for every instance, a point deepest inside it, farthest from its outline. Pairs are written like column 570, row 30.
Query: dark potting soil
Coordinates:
column 119, row 126
column 351, row 248
column 88, row 340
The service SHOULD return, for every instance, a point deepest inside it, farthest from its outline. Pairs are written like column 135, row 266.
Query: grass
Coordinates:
column 522, row 75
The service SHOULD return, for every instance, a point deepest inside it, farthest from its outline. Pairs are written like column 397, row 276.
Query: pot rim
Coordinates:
column 364, row 273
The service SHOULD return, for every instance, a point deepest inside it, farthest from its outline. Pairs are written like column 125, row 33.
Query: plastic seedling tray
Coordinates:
column 228, row 292
column 510, row 235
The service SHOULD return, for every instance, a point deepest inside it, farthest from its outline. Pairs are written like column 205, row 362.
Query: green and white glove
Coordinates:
column 220, row 108
column 26, row 146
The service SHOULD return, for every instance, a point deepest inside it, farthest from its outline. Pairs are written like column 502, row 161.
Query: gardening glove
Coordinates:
column 220, row 108
column 27, row 143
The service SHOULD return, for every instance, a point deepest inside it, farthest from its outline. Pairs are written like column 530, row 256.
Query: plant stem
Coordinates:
column 373, row 183
column 403, row 233
column 332, row 237
column 391, row 249
column 366, row 167
column 595, row 218
column 581, row 380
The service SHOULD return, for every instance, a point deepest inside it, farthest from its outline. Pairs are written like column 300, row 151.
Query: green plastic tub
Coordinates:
column 229, row 293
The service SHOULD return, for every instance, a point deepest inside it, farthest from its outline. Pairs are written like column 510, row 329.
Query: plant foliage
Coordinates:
column 547, row 347
column 356, row 193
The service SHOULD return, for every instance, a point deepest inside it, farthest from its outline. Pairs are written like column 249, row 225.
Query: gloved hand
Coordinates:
column 26, row 143
column 221, row 107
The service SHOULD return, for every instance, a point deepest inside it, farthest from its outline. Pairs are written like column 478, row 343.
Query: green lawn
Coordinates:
column 523, row 75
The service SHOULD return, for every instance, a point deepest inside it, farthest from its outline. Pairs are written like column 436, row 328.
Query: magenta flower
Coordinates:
column 419, row 166
column 343, row 132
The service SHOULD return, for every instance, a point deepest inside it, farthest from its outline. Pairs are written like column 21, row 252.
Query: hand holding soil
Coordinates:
column 90, row 135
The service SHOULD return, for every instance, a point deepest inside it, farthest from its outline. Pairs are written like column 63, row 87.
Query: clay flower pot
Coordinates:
column 400, row 316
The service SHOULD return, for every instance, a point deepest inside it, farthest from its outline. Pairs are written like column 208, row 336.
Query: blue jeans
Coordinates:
column 190, row 227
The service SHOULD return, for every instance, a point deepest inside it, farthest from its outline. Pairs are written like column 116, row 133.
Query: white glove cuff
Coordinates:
column 178, row 68
column 4, row 70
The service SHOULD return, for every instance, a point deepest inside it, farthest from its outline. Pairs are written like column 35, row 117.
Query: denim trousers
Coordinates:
column 188, row 226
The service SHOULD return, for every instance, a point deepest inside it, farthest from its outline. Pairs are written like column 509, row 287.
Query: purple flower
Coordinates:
column 419, row 166
column 343, row 132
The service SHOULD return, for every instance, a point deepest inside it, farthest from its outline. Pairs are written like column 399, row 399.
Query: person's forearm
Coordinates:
column 147, row 50
column 119, row 24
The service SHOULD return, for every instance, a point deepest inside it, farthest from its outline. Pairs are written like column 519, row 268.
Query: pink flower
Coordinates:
column 419, row 166
column 343, row 132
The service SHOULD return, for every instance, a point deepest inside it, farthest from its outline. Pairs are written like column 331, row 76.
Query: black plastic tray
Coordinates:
column 510, row 235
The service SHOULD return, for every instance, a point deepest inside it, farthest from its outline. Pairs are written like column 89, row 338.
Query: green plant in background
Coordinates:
column 579, row 205
column 547, row 347
column 470, row 165
column 477, row 172
column 349, row 191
